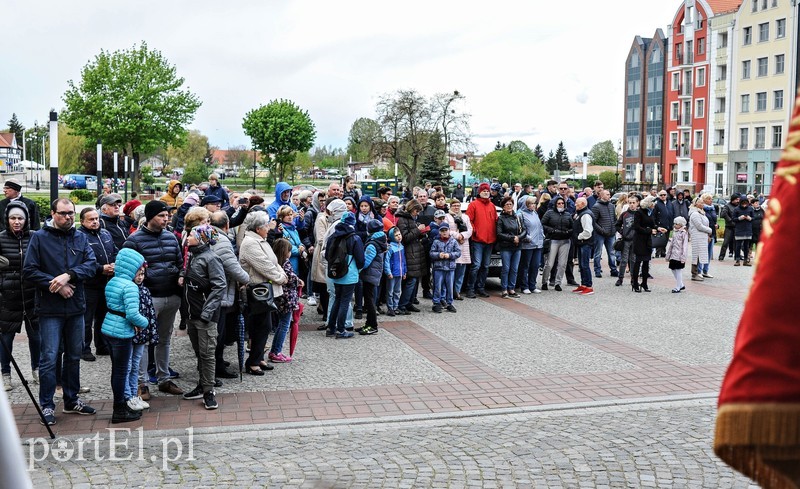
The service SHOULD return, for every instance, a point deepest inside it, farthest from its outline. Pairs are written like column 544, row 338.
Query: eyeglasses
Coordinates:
column 563, row 188
column 662, row 195
column 66, row 213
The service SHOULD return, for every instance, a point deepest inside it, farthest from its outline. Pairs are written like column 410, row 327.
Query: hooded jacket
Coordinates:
column 52, row 252
column 412, row 241
column 218, row 191
column 483, row 216
column 557, row 225
column 440, row 246
column 168, row 199
column 355, row 252
column 205, row 284
column 744, row 227
column 105, row 252
column 280, row 188
column 394, row 263
column 32, row 211
column 363, row 219
column 17, row 296
column 534, row 231
column 234, row 273
column 122, row 297
column 374, row 253
column 116, row 226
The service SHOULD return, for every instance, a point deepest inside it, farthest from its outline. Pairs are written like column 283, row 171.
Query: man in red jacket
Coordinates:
column 483, row 216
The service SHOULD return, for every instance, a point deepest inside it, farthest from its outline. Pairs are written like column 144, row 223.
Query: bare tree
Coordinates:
column 453, row 122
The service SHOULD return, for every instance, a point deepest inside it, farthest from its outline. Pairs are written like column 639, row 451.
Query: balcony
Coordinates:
column 685, row 59
column 719, row 117
column 719, row 85
column 685, row 90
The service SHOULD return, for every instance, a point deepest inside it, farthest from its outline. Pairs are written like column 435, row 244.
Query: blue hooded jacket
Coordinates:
column 355, row 252
column 272, row 210
column 122, row 297
column 394, row 263
column 534, row 237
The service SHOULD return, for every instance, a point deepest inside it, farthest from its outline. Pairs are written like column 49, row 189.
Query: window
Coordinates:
column 746, row 102
column 755, row 6
column 673, row 140
column 699, row 25
column 722, row 72
column 723, row 39
column 761, row 101
column 701, row 45
column 720, row 106
column 774, row 3
column 685, row 176
column 745, row 69
column 676, row 81
column 780, row 28
column 679, row 52
column 743, row 134
column 701, row 77
column 760, row 135
column 763, row 32
column 778, row 96
column 763, row 4
column 700, row 108
column 777, row 136
column 763, row 66
column 719, row 137
column 673, row 111
column 748, row 35
column 779, row 63
column 698, row 140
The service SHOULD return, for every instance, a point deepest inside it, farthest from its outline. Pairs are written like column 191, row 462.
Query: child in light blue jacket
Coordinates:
column 395, row 268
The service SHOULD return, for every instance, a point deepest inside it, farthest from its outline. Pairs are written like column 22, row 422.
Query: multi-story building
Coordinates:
column 764, row 81
column 688, row 94
column 721, row 48
column 10, row 153
column 642, row 158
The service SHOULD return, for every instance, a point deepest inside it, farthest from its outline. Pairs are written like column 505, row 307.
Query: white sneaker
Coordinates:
column 143, row 403
column 312, row 301
column 526, row 291
column 133, row 404
column 35, row 375
column 7, row 382
column 537, row 291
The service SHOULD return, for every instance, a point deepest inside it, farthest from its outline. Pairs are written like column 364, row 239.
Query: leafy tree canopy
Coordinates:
column 279, row 128
column 131, row 100
column 510, row 167
column 603, row 153
column 435, row 168
column 609, row 179
column 192, row 149
column 365, row 140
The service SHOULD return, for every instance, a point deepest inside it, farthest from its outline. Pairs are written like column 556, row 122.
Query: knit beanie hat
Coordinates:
column 483, row 187
column 192, row 199
column 130, row 206
column 154, row 208
column 374, row 225
column 348, row 218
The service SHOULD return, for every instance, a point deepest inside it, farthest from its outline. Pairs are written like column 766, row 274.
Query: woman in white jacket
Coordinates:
column 699, row 234
column 261, row 264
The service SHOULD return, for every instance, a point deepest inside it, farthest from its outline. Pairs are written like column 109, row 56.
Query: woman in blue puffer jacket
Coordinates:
column 122, row 298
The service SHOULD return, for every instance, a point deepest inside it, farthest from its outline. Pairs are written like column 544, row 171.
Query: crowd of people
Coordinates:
column 119, row 281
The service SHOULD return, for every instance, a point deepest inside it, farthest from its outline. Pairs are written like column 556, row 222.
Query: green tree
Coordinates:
column 73, row 151
column 537, row 151
column 609, row 179
column 517, row 166
column 562, row 160
column 195, row 173
column 365, row 140
column 147, row 175
column 434, row 169
column 17, row 128
column 603, row 153
column 550, row 163
column 279, row 129
column 131, row 100
column 193, row 148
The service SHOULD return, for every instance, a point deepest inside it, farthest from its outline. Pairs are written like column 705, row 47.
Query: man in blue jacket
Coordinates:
column 58, row 261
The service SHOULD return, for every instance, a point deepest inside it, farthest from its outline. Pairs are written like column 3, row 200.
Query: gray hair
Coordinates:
column 219, row 219
column 680, row 221
column 260, row 220
column 648, row 202
column 393, row 198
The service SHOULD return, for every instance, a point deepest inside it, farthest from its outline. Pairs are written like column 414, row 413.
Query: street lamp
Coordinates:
column 254, row 168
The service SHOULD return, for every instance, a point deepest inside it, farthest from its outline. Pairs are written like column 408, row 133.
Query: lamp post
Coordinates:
column 53, row 155
column 99, row 168
column 116, row 170
column 254, row 168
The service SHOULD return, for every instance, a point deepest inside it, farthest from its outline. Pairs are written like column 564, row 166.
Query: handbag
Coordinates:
column 261, row 298
column 619, row 245
column 546, row 246
column 660, row 240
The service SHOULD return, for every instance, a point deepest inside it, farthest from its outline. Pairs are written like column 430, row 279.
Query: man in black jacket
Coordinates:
column 13, row 192
column 663, row 215
column 726, row 212
column 110, row 219
column 604, row 233
column 164, row 258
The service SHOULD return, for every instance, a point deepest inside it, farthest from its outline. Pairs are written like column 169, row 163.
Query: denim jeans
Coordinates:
column 409, row 286
column 704, row 267
column 51, row 331
column 529, row 268
column 443, row 287
column 284, row 321
column 394, row 287
column 132, row 389
column 166, row 309
column 481, row 257
column 93, row 320
column 586, row 272
column 337, row 318
column 120, row 349
column 508, row 274
column 331, row 297
column 8, row 341
column 458, row 279
column 599, row 243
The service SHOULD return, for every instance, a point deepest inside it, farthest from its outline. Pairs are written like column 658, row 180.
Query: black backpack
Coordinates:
column 339, row 263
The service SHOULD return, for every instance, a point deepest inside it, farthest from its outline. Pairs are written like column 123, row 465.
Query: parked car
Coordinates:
column 495, row 261
column 718, row 202
column 304, row 186
column 86, row 182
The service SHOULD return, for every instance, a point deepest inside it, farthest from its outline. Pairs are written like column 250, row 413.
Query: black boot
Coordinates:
column 123, row 414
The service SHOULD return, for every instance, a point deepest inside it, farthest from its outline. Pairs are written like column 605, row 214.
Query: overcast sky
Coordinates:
column 531, row 70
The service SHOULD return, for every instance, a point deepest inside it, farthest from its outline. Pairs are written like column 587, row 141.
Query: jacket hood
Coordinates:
column 128, row 263
column 172, row 184
column 337, row 207
column 17, row 205
column 315, row 201
column 342, row 229
column 280, row 188
column 368, row 200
